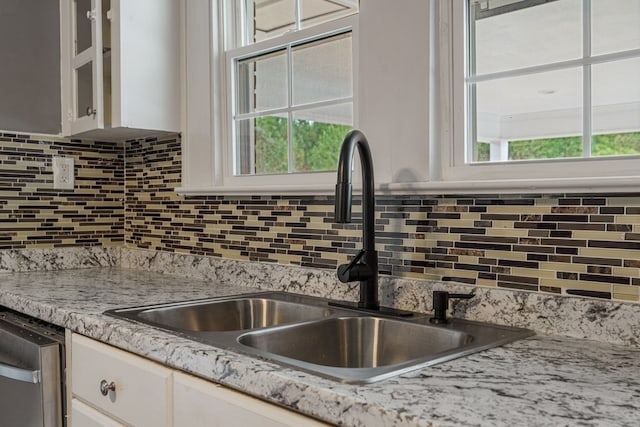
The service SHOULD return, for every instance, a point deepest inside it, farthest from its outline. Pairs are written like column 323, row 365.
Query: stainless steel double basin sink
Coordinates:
column 308, row 333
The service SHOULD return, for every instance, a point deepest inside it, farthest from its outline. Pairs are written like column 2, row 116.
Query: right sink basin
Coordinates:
column 365, row 349
column 356, row 342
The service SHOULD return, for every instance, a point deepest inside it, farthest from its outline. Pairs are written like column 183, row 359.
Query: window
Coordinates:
column 291, row 78
column 230, row 118
column 552, row 79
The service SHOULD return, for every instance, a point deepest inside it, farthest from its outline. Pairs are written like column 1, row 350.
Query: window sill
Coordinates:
column 273, row 190
column 621, row 184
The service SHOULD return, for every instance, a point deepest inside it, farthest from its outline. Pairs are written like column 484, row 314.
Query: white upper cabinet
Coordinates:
column 120, row 64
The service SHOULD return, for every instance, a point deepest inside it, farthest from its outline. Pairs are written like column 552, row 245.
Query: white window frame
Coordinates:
column 413, row 116
column 207, row 137
column 611, row 173
column 391, row 114
column 284, row 42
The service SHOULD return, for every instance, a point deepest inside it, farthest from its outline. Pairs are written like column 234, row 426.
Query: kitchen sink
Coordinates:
column 307, row 333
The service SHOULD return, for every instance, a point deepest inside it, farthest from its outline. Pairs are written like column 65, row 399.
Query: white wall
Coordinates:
column 30, row 70
column 393, row 86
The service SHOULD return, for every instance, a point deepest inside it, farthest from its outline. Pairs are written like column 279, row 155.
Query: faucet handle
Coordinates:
column 355, row 259
column 353, row 271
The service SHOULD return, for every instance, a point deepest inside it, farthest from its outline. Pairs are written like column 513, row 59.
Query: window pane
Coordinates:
column 318, row 135
column 262, row 83
column 530, row 107
column 83, row 25
column 317, row 11
column 616, row 108
column 518, row 35
column 301, row 93
column 322, row 70
column 262, row 145
column 482, row 151
column 546, row 148
column 616, row 25
column 84, row 90
column 271, row 18
column 266, row 19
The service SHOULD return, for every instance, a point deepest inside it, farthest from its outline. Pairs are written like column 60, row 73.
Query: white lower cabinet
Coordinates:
column 111, row 387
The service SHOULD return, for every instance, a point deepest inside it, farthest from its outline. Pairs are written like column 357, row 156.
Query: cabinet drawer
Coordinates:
column 84, row 416
column 141, row 388
column 199, row 403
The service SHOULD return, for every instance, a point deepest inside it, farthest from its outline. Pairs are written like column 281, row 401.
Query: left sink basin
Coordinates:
column 226, row 314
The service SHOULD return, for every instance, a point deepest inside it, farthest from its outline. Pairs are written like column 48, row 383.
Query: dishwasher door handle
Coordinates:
column 20, row 374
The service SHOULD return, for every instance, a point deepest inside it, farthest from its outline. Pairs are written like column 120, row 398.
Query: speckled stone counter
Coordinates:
column 537, row 381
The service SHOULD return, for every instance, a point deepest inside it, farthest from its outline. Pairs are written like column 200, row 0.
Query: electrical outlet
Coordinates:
column 63, row 173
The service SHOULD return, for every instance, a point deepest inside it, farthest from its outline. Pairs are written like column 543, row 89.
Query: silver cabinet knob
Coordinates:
column 105, row 387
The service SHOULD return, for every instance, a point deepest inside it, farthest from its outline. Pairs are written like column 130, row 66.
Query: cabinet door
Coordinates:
column 202, row 403
column 145, row 80
column 82, row 64
column 120, row 384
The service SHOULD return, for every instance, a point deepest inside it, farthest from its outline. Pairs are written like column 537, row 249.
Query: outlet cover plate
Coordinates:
column 63, row 173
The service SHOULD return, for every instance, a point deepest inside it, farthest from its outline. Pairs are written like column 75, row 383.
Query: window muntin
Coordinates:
column 532, row 94
column 286, row 86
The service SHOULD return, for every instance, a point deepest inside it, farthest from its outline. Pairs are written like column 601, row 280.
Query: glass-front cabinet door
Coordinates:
column 85, row 111
column 120, row 67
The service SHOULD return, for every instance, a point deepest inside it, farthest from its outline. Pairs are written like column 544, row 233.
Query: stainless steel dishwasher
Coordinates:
column 31, row 372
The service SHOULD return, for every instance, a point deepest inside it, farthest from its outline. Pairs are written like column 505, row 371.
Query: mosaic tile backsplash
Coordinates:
column 34, row 215
column 576, row 244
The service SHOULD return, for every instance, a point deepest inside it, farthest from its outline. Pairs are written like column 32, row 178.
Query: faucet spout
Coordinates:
column 365, row 266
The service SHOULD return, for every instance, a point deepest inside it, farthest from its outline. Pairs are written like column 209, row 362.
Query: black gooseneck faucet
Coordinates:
column 364, row 266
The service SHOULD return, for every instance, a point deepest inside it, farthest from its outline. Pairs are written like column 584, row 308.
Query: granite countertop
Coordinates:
column 541, row 380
